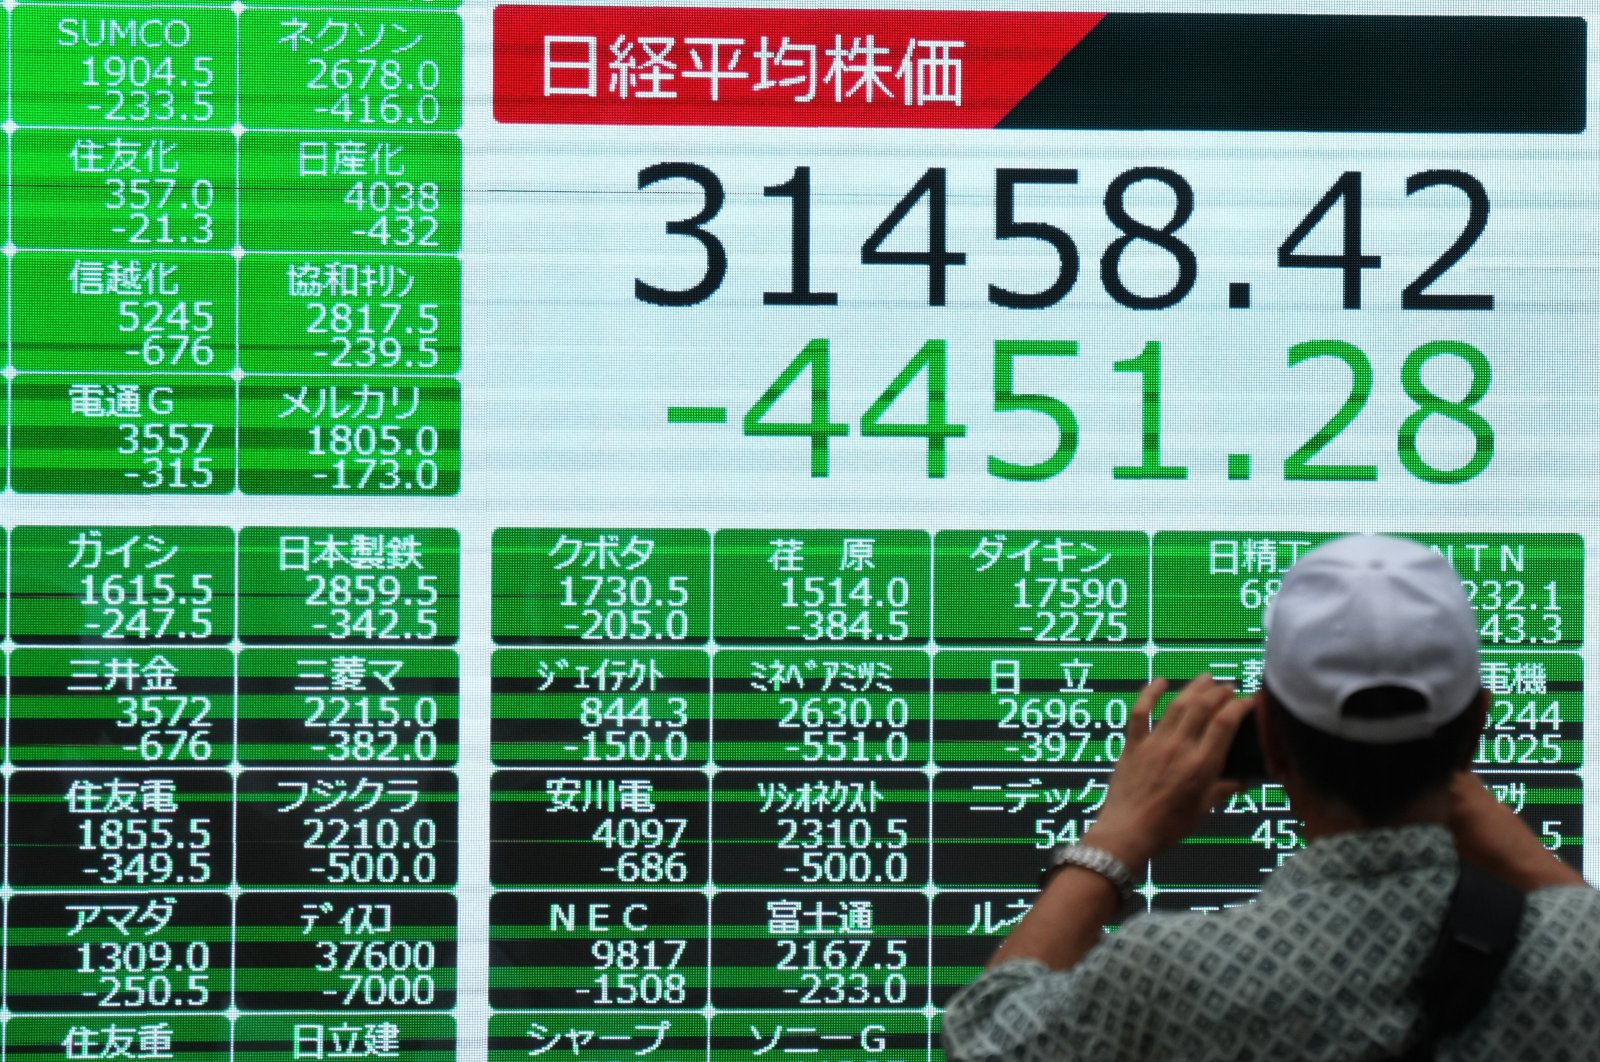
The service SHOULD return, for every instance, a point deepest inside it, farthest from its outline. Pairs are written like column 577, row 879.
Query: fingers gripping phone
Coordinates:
column 1245, row 762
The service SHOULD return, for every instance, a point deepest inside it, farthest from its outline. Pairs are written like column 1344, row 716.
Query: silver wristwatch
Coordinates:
column 1098, row 860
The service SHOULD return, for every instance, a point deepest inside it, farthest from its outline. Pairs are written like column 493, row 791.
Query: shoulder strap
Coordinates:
column 1475, row 941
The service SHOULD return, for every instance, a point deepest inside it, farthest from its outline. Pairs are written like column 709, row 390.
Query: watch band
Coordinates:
column 1098, row 860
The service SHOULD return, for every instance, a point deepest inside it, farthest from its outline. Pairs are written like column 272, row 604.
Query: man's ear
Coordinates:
column 1469, row 747
column 1271, row 738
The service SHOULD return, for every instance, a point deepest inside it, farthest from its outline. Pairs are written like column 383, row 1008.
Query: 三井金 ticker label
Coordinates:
column 144, row 706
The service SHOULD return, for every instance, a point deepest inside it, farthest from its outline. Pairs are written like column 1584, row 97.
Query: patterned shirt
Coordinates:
column 1319, row 969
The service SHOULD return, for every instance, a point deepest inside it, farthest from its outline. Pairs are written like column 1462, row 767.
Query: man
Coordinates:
column 1371, row 709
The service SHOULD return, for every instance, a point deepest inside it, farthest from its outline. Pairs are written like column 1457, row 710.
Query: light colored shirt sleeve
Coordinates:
column 1323, row 971
column 1022, row 1011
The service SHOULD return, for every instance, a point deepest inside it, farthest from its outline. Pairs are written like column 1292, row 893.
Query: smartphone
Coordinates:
column 1246, row 762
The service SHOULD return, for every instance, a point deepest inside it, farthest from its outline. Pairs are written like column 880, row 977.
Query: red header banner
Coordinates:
column 584, row 65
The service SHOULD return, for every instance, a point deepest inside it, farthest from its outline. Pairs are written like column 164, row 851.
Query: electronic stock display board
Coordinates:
column 613, row 532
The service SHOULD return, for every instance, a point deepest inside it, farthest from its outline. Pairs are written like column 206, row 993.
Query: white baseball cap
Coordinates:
column 1365, row 611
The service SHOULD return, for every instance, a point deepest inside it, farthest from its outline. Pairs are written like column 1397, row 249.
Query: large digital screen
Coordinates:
column 629, row 531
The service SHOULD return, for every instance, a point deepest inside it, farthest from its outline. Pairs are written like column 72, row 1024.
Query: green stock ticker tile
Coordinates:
column 1060, row 708
column 365, row 1034
column 134, row 189
column 144, row 706
column 1212, row 588
column 356, row 705
column 366, row 191
column 128, row 312
column 1041, row 588
column 600, row 706
column 824, row 587
column 355, row 586
column 332, row 435
column 328, row 312
column 179, row 1037
column 599, row 585
column 392, row 71
column 125, row 68
column 168, row 433
column 122, row 585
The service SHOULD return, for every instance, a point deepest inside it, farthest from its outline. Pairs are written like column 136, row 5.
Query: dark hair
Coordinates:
column 1378, row 782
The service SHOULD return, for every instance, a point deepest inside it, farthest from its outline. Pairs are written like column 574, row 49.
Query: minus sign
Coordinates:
column 697, row 415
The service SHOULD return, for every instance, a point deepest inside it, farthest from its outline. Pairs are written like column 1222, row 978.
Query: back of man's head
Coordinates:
column 1372, row 672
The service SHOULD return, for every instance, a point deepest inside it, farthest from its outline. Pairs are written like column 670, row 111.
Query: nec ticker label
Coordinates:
column 814, row 426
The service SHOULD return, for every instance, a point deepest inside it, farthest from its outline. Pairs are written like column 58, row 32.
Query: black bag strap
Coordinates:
column 1475, row 941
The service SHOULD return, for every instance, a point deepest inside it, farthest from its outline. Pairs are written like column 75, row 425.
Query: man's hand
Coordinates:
column 1171, row 774
column 1489, row 835
column 1166, row 779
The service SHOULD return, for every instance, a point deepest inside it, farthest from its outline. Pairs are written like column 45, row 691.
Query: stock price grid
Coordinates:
column 627, row 532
